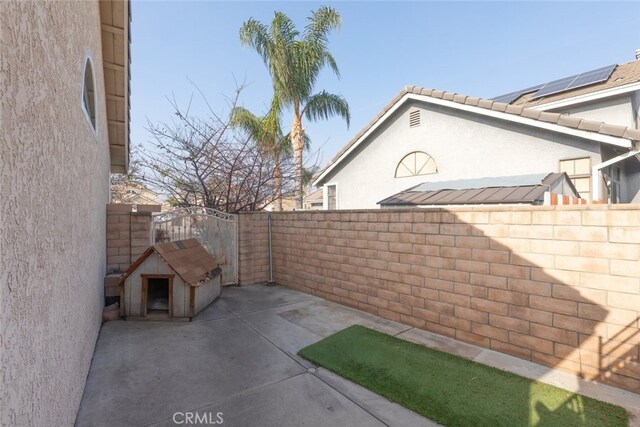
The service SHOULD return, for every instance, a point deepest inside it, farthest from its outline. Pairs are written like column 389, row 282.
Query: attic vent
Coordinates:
column 179, row 244
column 414, row 119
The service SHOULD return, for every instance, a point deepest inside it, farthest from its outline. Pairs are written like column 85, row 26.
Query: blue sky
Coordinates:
column 481, row 49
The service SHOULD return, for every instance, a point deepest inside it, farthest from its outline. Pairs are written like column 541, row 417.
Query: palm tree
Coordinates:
column 295, row 61
column 267, row 133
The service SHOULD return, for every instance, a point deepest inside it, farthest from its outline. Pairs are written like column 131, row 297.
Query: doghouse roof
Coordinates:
column 188, row 258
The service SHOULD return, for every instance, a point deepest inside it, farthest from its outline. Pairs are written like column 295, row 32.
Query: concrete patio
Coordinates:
column 238, row 357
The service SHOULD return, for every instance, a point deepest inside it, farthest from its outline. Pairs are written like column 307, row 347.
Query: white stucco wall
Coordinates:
column 616, row 111
column 463, row 146
column 53, row 191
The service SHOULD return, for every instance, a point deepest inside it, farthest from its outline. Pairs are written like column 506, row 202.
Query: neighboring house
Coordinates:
column 134, row 194
column 425, row 135
column 288, row 204
column 64, row 110
column 314, row 200
column 536, row 189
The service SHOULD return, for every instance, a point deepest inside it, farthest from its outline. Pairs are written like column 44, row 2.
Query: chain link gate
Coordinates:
column 217, row 231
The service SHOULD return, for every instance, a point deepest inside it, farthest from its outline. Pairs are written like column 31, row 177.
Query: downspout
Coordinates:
column 270, row 282
column 595, row 171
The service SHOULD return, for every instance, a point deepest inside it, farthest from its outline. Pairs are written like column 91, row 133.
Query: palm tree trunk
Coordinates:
column 297, row 143
column 277, row 179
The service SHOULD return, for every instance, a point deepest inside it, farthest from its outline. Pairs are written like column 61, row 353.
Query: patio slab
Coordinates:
column 247, row 299
column 300, row 400
column 239, row 357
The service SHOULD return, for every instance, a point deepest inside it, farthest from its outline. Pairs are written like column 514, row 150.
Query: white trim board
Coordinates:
column 588, row 97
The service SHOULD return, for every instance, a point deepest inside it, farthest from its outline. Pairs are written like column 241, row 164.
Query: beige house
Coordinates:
column 64, row 111
column 588, row 128
column 134, row 194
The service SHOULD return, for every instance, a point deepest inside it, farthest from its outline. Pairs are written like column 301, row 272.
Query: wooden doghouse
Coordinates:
column 170, row 281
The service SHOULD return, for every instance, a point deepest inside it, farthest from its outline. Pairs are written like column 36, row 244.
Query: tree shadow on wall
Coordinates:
column 569, row 325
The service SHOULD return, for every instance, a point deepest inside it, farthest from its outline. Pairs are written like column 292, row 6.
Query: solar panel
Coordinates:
column 579, row 80
column 554, row 86
column 512, row 96
column 595, row 76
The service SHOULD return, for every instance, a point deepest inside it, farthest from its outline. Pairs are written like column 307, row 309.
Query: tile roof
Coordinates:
column 528, row 189
column 188, row 258
column 622, row 75
column 577, row 123
column 315, row 196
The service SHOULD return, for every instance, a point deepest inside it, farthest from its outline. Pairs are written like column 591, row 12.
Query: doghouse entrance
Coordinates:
column 157, row 299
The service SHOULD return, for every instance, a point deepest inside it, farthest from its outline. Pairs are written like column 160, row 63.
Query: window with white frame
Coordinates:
column 332, row 197
column 89, row 94
column 416, row 163
column 579, row 170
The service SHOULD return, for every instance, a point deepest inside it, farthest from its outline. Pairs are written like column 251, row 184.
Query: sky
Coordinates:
column 485, row 49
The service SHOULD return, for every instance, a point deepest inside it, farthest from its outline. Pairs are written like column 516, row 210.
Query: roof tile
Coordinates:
column 437, row 94
column 590, row 125
column 514, row 109
column 633, row 134
column 530, row 113
column 499, row 106
column 472, row 100
column 485, row 103
column 569, row 121
column 549, row 117
column 613, row 130
column 459, row 98
column 448, row 96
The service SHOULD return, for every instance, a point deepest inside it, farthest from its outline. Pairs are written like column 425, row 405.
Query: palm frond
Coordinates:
column 321, row 22
column 256, row 35
column 324, row 105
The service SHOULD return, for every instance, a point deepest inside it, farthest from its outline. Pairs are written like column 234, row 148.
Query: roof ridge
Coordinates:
column 596, row 126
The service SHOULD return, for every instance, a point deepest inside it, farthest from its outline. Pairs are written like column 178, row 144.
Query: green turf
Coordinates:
column 452, row 390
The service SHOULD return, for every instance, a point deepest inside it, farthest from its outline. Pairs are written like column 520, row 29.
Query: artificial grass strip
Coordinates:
column 452, row 390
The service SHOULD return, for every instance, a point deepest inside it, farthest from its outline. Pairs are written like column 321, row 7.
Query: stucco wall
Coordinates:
column 53, row 191
column 616, row 111
column 463, row 146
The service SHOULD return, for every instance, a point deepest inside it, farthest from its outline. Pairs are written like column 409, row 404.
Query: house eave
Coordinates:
column 589, row 97
column 115, row 16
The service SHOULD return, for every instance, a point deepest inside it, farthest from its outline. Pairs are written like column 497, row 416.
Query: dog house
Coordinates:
column 170, row 281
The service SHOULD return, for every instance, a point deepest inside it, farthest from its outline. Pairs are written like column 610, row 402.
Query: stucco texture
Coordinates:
column 463, row 146
column 53, row 189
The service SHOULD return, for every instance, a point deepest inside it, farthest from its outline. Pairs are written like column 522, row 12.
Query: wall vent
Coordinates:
column 414, row 119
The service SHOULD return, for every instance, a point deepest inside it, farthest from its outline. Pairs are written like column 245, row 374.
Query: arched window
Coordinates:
column 416, row 163
column 89, row 94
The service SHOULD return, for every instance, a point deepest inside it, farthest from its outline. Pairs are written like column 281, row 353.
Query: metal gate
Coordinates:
column 217, row 231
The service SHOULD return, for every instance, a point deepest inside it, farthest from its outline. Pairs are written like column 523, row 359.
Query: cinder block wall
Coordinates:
column 556, row 285
column 128, row 234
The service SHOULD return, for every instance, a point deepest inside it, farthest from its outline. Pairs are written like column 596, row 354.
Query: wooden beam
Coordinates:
column 111, row 29
column 112, row 66
column 115, row 123
column 115, row 98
